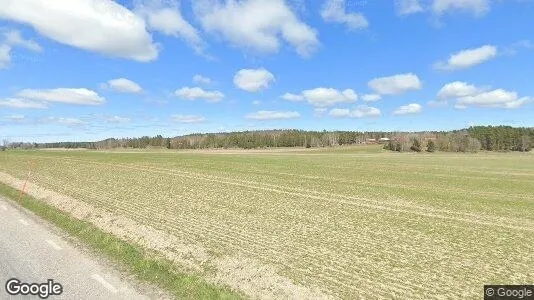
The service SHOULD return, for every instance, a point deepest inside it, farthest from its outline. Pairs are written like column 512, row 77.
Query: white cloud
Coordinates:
column 14, row 38
column 458, row 89
column 22, row 103
column 396, row 84
column 117, row 119
column 102, row 26
column 256, row 102
column 320, row 111
column 470, row 95
column 371, row 97
column 437, row 103
column 526, row 44
column 336, row 11
column 123, row 85
column 323, row 97
column 407, row 7
column 477, row 7
column 198, row 93
column 519, row 45
column 199, row 79
column 468, row 58
column 498, row 98
column 439, row 8
column 65, row 121
column 263, row 115
column 340, row 112
column 188, row 119
column 165, row 17
column 409, row 109
column 257, row 25
column 15, row 118
column 361, row 111
column 292, row 97
column 5, row 56
column 79, row 96
column 253, row 80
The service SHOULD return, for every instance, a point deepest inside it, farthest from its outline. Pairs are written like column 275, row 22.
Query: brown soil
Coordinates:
column 239, row 272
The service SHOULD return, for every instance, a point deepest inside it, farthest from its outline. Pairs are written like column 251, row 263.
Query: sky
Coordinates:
column 86, row 70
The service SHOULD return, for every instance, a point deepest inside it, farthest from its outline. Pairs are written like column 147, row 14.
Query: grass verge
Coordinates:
column 144, row 265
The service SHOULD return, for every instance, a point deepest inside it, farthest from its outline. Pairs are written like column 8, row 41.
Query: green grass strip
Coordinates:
column 143, row 264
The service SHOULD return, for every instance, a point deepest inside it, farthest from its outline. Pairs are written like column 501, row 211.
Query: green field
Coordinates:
column 358, row 222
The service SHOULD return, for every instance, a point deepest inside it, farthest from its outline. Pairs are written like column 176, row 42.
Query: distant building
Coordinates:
column 384, row 140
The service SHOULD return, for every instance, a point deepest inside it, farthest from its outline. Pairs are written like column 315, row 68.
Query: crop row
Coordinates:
column 372, row 244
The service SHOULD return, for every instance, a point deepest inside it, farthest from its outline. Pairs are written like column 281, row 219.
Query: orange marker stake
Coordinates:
column 30, row 165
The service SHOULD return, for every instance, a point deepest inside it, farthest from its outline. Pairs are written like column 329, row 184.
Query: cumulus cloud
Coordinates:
column 396, row 84
column 409, row 109
column 323, row 97
column 319, row 111
column 407, row 7
column 257, row 25
column 498, row 98
column 361, row 111
column 335, row 11
column 72, row 122
column 264, row 115
column 102, row 26
column 476, row 7
column 253, row 80
column 197, row 93
column 371, row 97
column 5, row 56
column 188, row 119
column 14, row 38
column 293, row 97
column 117, row 119
column 22, row 104
column 515, row 47
column 11, row 39
column 467, row 58
column 458, row 89
column 339, row 112
column 166, row 17
column 470, row 95
column 199, row 79
column 79, row 96
column 15, row 118
column 123, row 85
column 439, row 8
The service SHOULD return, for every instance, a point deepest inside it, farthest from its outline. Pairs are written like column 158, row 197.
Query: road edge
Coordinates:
column 144, row 265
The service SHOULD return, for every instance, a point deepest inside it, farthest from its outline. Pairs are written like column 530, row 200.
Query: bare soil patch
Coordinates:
column 250, row 276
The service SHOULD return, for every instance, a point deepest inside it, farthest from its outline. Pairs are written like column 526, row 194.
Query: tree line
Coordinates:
column 473, row 139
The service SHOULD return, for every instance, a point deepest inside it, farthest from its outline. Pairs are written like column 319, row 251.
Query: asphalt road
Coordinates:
column 31, row 252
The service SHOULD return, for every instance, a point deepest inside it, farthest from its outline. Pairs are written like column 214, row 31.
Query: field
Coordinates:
column 349, row 223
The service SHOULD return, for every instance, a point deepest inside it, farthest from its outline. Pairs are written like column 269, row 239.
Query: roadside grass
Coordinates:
column 144, row 265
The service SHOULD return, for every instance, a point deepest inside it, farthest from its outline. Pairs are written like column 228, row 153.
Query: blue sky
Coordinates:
column 92, row 69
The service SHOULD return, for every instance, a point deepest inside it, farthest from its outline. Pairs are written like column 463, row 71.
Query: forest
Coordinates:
column 473, row 139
